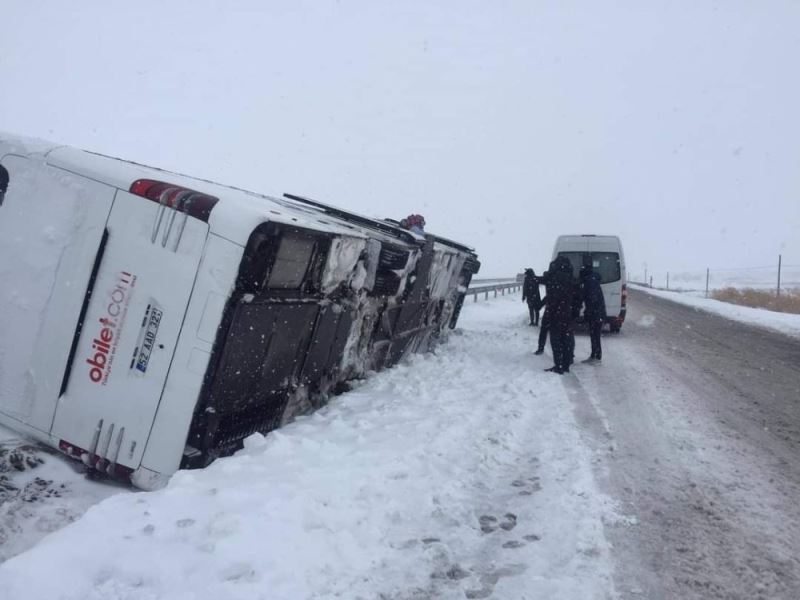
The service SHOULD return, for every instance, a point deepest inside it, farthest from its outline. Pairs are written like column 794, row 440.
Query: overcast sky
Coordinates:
column 675, row 125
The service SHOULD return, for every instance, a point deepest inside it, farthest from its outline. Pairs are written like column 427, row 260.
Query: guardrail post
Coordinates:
column 475, row 297
column 487, row 294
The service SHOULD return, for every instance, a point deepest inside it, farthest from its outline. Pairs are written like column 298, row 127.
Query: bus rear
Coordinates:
column 97, row 281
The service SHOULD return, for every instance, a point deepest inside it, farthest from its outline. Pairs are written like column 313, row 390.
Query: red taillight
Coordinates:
column 624, row 294
column 195, row 204
column 95, row 462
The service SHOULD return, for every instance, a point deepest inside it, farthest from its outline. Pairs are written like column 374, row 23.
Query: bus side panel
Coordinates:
column 131, row 329
column 215, row 282
column 51, row 227
column 263, row 355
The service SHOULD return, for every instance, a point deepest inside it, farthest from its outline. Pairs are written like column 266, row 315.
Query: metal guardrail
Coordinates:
column 492, row 280
column 494, row 288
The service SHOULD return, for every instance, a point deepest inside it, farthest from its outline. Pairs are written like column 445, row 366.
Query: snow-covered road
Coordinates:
column 669, row 471
column 459, row 474
column 696, row 420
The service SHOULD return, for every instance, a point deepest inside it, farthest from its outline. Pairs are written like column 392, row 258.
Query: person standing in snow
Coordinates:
column 594, row 312
column 3, row 183
column 530, row 294
column 561, row 294
column 545, row 327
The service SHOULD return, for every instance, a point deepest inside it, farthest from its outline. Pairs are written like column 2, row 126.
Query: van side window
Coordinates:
column 607, row 265
column 3, row 183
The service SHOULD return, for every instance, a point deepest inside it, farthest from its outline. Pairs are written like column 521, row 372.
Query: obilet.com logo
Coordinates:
column 105, row 342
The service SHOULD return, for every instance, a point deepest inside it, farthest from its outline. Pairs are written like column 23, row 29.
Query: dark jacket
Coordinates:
column 530, row 288
column 592, row 295
column 561, row 292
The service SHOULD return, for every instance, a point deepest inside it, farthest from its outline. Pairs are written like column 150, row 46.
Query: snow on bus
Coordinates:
column 152, row 321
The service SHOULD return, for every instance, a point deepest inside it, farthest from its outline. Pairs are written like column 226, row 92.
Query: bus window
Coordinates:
column 291, row 262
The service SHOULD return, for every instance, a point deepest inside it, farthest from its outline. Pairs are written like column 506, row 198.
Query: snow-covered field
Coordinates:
column 788, row 324
column 765, row 278
column 458, row 474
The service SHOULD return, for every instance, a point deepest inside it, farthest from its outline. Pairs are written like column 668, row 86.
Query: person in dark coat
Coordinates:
column 545, row 327
column 594, row 312
column 576, row 313
column 561, row 292
column 4, row 183
column 530, row 294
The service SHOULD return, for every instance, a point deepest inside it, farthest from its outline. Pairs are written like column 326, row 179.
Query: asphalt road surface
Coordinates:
column 695, row 420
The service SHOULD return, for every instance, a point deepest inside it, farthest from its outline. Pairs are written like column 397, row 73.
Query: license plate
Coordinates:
column 152, row 320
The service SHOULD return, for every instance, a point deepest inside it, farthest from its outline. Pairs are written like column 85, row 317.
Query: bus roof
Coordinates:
column 234, row 217
column 238, row 211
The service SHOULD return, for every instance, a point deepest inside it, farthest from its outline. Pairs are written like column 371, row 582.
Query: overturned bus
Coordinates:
column 152, row 321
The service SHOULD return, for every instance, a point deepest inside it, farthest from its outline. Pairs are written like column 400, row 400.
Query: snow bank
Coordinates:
column 458, row 474
column 785, row 323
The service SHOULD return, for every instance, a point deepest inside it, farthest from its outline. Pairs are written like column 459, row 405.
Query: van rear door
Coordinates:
column 606, row 258
column 52, row 223
column 608, row 264
column 133, row 319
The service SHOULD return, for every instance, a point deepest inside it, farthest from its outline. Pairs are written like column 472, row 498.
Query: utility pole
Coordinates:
column 779, row 275
column 707, row 271
column 667, row 279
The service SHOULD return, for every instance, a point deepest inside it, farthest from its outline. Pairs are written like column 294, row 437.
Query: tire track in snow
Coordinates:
column 713, row 489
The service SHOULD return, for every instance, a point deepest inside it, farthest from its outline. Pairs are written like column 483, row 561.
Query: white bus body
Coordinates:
column 150, row 321
column 604, row 253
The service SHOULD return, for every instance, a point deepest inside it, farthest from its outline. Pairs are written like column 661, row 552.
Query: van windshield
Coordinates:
column 605, row 263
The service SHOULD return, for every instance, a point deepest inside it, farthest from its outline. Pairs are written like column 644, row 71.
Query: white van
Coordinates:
column 150, row 321
column 604, row 253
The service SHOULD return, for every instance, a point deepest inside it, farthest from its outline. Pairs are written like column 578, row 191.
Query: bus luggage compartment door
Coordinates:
column 51, row 230
column 130, row 331
column 264, row 351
